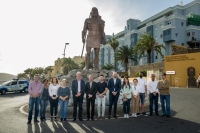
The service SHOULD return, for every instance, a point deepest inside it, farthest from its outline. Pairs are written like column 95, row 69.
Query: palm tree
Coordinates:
column 147, row 44
column 125, row 54
column 113, row 44
column 108, row 67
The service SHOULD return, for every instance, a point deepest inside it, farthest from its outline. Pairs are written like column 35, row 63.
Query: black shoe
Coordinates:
column 74, row 119
column 150, row 114
column 138, row 113
column 64, row 119
column 36, row 121
column 51, row 117
column 41, row 119
column 163, row 115
column 115, row 116
column 61, row 119
column 55, row 118
column 29, row 122
column 92, row 119
column 80, row 119
column 167, row 116
column 144, row 113
column 109, row 117
column 87, row 119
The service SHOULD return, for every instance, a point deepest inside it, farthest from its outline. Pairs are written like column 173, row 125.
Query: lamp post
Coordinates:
column 64, row 49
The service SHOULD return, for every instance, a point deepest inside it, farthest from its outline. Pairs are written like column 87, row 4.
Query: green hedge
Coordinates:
column 137, row 74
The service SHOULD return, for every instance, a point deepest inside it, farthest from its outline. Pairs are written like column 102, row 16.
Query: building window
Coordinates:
column 188, row 34
column 182, row 23
column 156, row 57
column 176, row 34
column 182, row 44
column 161, row 35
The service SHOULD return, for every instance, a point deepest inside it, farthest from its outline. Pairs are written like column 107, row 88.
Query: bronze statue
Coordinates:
column 96, row 36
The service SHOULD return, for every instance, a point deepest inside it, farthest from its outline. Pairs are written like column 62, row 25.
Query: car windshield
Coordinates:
column 6, row 82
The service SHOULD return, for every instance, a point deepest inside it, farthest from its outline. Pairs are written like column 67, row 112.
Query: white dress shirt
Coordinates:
column 141, row 83
column 53, row 89
column 135, row 89
column 152, row 86
column 199, row 78
column 79, row 85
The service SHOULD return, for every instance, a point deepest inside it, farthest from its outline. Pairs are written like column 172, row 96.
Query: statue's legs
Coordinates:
column 87, row 59
column 96, row 58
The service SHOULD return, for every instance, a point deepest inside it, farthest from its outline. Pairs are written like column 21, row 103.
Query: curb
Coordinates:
column 22, row 111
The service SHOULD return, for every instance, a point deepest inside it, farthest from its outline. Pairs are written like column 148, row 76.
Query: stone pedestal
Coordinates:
column 85, row 73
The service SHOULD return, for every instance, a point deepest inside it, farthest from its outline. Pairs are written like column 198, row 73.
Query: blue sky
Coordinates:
column 33, row 33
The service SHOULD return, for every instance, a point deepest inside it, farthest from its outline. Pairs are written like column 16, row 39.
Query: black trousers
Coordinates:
column 53, row 105
column 92, row 102
column 79, row 101
column 113, row 99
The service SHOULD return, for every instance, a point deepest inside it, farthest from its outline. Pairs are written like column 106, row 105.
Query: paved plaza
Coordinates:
column 185, row 118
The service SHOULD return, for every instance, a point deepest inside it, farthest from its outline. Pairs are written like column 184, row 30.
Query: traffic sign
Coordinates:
column 170, row 72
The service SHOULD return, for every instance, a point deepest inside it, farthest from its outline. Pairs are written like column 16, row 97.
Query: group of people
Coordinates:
column 132, row 94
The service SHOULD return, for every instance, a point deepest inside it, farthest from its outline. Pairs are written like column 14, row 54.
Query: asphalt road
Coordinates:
column 185, row 118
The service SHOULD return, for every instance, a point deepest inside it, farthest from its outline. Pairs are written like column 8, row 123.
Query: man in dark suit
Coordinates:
column 90, row 90
column 114, row 86
column 78, row 88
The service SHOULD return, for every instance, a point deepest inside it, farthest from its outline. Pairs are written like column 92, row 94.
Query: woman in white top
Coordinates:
column 135, row 97
column 53, row 88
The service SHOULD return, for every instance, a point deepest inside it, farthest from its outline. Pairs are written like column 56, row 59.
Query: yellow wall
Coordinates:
column 179, row 64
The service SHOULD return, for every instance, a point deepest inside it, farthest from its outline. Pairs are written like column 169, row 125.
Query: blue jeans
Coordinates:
column 153, row 99
column 142, row 98
column 165, row 99
column 43, row 106
column 32, row 102
column 63, row 108
column 126, row 106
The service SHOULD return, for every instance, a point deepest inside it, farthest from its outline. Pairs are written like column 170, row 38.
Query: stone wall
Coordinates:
column 156, row 68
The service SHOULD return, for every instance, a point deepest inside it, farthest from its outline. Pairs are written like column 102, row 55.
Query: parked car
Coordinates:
column 14, row 85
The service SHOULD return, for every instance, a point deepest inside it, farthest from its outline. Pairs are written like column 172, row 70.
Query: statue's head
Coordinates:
column 94, row 12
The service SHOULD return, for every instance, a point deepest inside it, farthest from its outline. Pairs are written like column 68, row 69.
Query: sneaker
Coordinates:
column 135, row 115
column 144, row 113
column 127, row 115
column 29, row 122
column 124, row 115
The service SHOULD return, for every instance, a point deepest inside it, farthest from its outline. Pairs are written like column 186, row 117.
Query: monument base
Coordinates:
column 192, row 83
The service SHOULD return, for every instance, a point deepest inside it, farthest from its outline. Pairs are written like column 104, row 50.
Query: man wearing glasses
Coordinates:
column 163, row 87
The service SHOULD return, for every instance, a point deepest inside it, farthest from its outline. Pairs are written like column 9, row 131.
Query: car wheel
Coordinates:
column 26, row 90
column 3, row 92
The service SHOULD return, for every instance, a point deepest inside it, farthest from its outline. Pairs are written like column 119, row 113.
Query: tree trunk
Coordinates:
column 115, row 64
column 149, row 57
column 126, row 67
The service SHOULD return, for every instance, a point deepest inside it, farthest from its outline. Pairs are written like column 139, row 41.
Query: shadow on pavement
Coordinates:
column 150, row 124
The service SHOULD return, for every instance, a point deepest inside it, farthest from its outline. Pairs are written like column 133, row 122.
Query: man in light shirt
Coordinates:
column 198, row 81
column 142, row 83
column 153, row 94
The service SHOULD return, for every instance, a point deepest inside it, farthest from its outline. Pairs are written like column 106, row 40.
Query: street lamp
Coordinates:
column 64, row 49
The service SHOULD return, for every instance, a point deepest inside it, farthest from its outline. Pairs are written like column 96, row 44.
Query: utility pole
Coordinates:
column 64, row 50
